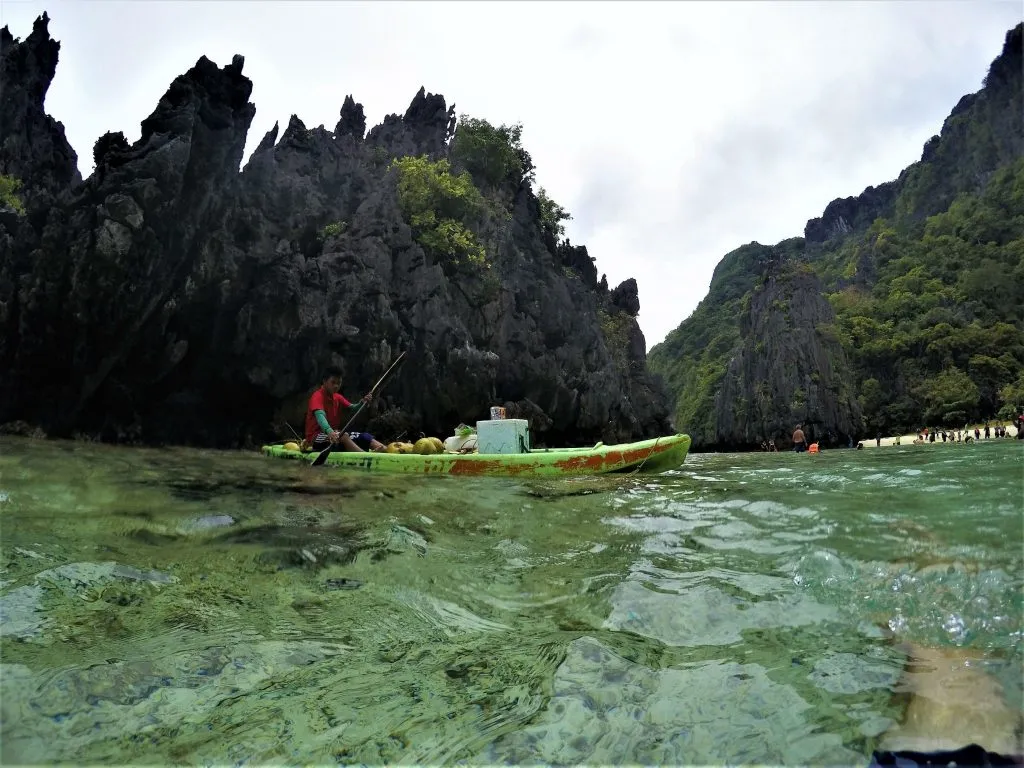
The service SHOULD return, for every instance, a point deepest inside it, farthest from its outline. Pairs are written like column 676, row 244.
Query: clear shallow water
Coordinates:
column 212, row 607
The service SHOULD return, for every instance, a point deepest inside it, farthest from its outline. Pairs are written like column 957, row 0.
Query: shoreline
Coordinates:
column 869, row 442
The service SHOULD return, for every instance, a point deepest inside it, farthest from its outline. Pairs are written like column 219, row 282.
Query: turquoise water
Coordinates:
column 215, row 607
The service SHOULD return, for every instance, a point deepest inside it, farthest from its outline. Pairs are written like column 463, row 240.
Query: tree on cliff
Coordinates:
column 9, row 197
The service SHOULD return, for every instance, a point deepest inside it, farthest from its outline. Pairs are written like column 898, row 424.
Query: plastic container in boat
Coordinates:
column 503, row 436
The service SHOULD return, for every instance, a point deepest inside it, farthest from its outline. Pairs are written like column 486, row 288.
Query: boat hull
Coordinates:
column 645, row 457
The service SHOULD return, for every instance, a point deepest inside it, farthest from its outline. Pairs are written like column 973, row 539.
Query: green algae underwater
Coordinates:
column 190, row 606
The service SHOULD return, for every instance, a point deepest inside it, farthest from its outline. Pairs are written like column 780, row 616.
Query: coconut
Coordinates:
column 393, row 448
column 407, row 448
column 425, row 447
column 292, row 446
column 438, row 444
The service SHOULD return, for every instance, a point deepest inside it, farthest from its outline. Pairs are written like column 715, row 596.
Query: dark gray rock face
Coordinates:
column 789, row 369
column 626, row 297
column 34, row 150
column 32, row 144
column 96, row 328
column 847, row 214
column 171, row 298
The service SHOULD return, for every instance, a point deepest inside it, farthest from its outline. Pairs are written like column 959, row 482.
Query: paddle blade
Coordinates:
column 319, row 460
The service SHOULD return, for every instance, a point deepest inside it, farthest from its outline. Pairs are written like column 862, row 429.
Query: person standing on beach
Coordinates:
column 799, row 441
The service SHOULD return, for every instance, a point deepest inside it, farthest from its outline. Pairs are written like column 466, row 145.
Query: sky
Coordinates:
column 673, row 132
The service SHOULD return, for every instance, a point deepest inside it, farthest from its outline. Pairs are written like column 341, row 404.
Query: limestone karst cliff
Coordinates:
column 172, row 297
column 907, row 300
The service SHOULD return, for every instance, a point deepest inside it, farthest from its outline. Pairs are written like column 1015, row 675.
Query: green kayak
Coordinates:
column 646, row 457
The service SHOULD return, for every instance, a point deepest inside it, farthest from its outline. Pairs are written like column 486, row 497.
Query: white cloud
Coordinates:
column 673, row 132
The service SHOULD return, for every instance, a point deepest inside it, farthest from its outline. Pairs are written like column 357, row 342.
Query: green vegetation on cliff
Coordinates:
column 438, row 205
column 9, row 197
column 552, row 215
column 941, row 330
column 925, row 274
column 442, row 199
column 492, row 155
column 935, row 332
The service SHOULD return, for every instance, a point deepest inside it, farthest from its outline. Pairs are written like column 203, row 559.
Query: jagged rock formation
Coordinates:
column 169, row 297
column 32, row 144
column 789, row 368
column 849, row 214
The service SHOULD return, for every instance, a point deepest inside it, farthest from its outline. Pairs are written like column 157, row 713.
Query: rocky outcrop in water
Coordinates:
column 790, row 368
column 169, row 297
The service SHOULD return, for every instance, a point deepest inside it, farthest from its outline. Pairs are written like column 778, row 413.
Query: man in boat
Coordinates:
column 323, row 417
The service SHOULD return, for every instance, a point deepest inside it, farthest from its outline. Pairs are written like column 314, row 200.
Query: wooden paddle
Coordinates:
column 319, row 460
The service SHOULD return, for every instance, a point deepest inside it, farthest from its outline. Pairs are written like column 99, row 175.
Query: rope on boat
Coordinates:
column 649, row 454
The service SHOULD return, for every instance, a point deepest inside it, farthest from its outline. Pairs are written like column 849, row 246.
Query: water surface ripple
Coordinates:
column 219, row 607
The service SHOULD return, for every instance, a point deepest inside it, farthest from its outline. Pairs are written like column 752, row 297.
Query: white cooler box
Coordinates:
column 503, row 436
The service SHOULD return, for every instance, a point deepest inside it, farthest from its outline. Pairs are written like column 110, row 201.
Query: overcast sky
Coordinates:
column 673, row 132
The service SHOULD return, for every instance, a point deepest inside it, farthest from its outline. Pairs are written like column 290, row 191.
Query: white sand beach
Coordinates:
column 869, row 442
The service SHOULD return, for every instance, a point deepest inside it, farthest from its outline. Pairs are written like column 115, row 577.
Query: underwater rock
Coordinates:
column 311, row 547
column 68, row 712
column 22, row 613
column 205, row 523
column 78, row 576
column 334, row 584
column 603, row 706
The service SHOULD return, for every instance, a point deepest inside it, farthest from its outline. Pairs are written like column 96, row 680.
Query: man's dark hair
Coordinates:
column 332, row 372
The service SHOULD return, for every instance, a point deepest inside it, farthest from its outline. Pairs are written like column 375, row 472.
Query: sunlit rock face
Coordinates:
column 789, row 369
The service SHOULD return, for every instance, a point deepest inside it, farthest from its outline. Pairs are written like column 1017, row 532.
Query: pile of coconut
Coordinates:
column 425, row 446
column 463, row 441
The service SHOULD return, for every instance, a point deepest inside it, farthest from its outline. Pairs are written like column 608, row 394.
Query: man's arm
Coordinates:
column 316, row 404
column 344, row 401
column 321, row 419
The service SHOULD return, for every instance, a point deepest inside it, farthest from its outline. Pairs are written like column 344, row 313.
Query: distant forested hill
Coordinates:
column 924, row 281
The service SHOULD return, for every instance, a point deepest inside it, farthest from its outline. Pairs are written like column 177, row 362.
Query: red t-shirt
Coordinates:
column 319, row 401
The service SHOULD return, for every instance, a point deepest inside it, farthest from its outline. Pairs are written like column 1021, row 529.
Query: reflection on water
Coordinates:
column 215, row 607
